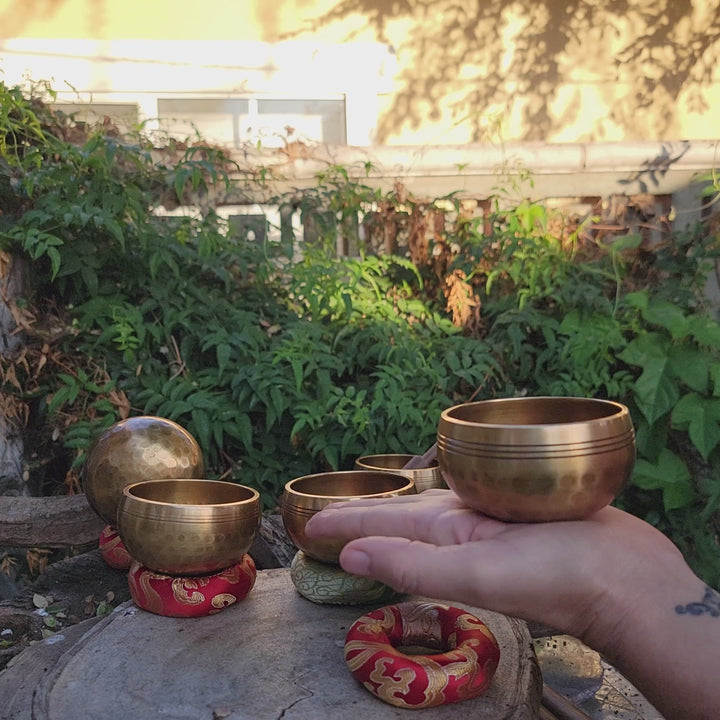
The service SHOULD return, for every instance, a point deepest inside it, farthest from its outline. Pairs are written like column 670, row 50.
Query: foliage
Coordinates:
column 283, row 360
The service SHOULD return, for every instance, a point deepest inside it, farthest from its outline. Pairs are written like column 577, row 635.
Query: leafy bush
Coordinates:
column 283, row 360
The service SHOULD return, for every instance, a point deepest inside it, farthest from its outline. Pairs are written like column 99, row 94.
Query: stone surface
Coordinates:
column 273, row 655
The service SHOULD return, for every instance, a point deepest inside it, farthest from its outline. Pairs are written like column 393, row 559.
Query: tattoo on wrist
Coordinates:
column 709, row 604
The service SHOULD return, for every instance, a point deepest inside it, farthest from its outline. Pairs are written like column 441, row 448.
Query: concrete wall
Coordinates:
column 412, row 72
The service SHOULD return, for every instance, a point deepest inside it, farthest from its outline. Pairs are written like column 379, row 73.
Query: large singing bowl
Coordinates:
column 307, row 495
column 139, row 448
column 536, row 459
column 425, row 478
column 188, row 526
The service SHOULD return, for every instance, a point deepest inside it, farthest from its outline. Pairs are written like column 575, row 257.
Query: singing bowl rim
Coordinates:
column 363, row 463
column 132, row 504
column 610, row 420
column 291, row 491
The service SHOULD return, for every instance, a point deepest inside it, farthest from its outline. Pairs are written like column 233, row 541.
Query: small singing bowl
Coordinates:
column 424, row 478
column 536, row 459
column 307, row 495
column 187, row 526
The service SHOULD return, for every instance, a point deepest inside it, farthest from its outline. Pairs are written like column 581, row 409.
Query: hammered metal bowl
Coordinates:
column 536, row 459
column 186, row 526
column 136, row 449
column 307, row 495
column 424, row 478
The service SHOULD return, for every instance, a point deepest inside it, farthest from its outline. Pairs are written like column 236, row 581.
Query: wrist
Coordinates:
column 637, row 595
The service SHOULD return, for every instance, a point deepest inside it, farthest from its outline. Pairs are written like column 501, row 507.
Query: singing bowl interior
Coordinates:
column 539, row 458
column 307, row 495
column 424, row 478
column 188, row 526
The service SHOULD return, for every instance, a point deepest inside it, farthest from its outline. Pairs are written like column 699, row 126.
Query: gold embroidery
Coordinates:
column 222, row 600
column 185, row 590
column 232, row 574
column 458, row 666
column 153, row 601
column 389, row 687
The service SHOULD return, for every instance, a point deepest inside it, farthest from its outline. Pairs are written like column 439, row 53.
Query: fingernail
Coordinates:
column 354, row 561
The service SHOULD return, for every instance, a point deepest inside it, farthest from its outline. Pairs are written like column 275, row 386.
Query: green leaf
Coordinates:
column 40, row 601
column 678, row 495
column 650, row 439
column 115, row 230
column 331, row 455
column 300, row 423
column 669, row 474
column 668, row 316
column 656, row 390
column 626, row 242
column 241, row 430
column 705, row 330
column 637, row 299
column 297, row 369
column 223, row 352
column 55, row 260
column 699, row 416
column 59, row 399
column 690, row 364
column 201, row 425
column 715, row 378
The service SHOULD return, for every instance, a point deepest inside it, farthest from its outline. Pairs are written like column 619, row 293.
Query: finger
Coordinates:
column 483, row 574
column 442, row 521
column 410, row 567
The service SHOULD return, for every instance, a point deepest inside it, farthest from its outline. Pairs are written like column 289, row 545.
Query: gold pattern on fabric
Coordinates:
column 470, row 622
column 222, row 600
column 232, row 574
column 423, row 679
column 185, row 590
column 390, row 687
column 366, row 650
column 153, row 601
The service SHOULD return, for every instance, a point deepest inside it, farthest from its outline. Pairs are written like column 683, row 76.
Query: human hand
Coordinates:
column 569, row 575
column 611, row 580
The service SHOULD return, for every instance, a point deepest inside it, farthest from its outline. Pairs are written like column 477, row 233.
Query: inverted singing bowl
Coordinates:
column 424, row 478
column 307, row 495
column 536, row 459
column 188, row 526
column 139, row 448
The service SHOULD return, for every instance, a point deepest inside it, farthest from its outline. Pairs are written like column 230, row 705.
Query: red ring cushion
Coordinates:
column 191, row 596
column 113, row 550
column 463, row 668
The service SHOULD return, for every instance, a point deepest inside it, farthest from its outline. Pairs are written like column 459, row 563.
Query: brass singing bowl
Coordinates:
column 136, row 449
column 536, row 459
column 186, row 526
column 424, row 478
column 307, row 495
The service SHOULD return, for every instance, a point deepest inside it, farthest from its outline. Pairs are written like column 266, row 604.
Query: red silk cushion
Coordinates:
column 112, row 550
column 467, row 657
column 191, row 596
